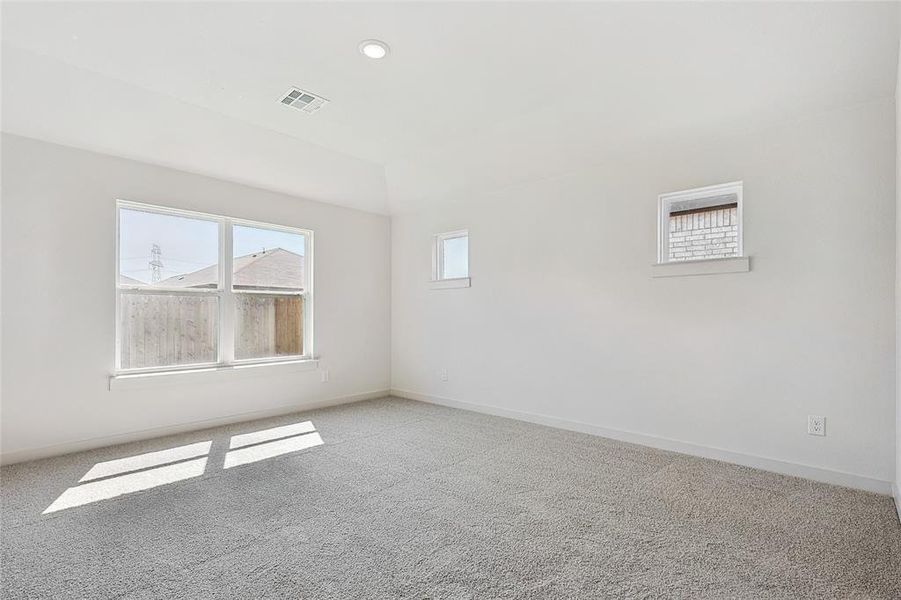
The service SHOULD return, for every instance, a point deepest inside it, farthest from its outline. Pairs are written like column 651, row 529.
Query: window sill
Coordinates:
column 132, row 381
column 716, row 266
column 447, row 284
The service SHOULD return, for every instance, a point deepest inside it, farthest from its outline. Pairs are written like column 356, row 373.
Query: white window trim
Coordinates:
column 226, row 360
column 153, row 379
column 449, row 284
column 709, row 266
column 439, row 282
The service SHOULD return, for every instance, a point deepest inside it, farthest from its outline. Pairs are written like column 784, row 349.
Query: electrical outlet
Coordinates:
column 324, row 375
column 442, row 374
column 816, row 425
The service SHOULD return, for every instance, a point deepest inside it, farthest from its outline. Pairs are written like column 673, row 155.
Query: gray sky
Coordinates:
column 187, row 245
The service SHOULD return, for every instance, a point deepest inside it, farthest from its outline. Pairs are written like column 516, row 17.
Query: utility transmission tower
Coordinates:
column 156, row 264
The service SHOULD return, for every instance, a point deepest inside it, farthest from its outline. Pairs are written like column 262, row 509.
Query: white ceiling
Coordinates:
column 473, row 94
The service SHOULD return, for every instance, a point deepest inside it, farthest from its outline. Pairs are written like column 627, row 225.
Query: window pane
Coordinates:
column 268, row 325
column 158, row 330
column 703, row 233
column 456, row 257
column 267, row 259
column 167, row 250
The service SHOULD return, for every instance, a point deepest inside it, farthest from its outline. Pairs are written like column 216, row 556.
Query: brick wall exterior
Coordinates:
column 707, row 234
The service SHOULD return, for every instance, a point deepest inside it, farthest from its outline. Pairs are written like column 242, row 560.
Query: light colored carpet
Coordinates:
column 408, row 500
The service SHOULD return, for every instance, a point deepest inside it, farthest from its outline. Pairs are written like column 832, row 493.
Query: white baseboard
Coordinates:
column 896, row 492
column 748, row 460
column 26, row 454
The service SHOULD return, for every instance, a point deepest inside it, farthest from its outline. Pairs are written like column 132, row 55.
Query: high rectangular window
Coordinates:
column 450, row 256
column 700, row 224
column 203, row 290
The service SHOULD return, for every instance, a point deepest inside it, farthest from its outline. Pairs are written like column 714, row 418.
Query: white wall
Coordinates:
column 563, row 319
column 897, row 489
column 58, row 256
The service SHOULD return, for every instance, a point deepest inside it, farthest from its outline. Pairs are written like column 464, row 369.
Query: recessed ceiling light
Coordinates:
column 374, row 49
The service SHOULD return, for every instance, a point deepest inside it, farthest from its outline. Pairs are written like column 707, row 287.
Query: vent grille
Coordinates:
column 307, row 102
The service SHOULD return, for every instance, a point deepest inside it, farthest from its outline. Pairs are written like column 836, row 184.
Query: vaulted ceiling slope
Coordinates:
column 472, row 94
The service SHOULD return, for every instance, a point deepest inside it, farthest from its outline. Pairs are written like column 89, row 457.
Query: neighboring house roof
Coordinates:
column 267, row 269
column 126, row 280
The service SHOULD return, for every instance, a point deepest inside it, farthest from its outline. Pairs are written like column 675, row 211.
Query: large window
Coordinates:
column 198, row 290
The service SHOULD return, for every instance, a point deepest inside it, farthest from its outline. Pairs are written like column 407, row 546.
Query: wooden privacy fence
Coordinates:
column 268, row 325
column 163, row 330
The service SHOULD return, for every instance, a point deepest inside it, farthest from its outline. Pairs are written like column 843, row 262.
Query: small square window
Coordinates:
column 700, row 224
column 450, row 257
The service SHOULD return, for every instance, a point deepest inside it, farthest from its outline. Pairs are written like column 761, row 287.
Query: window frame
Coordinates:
column 707, row 196
column 224, row 292
column 438, row 255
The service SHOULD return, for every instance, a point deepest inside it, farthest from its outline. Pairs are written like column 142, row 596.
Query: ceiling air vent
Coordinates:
column 304, row 101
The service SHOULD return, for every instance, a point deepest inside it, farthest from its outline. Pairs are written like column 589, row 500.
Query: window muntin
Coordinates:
column 700, row 224
column 451, row 256
column 178, row 309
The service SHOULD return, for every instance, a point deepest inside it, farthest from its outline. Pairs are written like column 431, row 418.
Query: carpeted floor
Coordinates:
column 408, row 500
